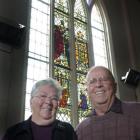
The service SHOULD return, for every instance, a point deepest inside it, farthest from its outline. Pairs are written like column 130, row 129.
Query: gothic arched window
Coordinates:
column 59, row 48
column 101, row 47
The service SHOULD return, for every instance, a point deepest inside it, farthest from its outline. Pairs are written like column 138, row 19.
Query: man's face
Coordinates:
column 100, row 87
column 44, row 103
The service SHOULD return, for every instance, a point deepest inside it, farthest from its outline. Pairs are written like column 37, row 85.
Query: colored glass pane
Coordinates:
column 62, row 57
column 81, row 55
column 61, row 43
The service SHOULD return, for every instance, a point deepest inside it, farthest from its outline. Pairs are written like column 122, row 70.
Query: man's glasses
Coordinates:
column 100, row 79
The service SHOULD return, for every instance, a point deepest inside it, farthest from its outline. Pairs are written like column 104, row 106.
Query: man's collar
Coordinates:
column 116, row 107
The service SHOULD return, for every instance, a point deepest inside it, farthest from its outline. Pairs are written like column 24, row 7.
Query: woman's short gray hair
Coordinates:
column 49, row 81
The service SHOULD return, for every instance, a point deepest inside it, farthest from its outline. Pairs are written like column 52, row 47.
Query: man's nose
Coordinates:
column 99, row 83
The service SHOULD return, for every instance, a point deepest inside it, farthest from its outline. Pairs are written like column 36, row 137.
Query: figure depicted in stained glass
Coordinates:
column 61, row 42
column 64, row 99
column 83, row 102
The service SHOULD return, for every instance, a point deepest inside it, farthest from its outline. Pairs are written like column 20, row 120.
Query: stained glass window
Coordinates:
column 69, row 49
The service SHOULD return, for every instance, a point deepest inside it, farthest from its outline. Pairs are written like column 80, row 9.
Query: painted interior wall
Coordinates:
column 124, row 22
column 4, row 86
column 12, row 63
column 15, row 10
column 133, row 12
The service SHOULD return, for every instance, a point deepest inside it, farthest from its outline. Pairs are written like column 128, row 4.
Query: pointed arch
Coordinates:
column 100, row 36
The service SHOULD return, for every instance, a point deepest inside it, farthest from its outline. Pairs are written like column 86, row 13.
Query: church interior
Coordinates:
column 63, row 39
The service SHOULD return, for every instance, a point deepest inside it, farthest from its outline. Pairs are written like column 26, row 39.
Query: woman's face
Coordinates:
column 44, row 103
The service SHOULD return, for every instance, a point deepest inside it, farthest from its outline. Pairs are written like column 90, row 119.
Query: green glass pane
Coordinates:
column 59, row 17
column 62, row 75
column 62, row 5
column 79, row 11
column 81, row 52
column 80, row 30
column 64, row 114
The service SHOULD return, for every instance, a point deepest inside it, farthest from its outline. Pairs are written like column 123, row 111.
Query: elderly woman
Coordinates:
column 42, row 125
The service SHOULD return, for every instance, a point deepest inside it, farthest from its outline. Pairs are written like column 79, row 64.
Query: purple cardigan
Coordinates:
column 122, row 122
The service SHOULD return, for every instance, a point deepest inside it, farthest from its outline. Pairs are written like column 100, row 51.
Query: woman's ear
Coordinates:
column 31, row 101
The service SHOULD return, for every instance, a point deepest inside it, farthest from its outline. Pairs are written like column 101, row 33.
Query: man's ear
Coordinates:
column 115, row 87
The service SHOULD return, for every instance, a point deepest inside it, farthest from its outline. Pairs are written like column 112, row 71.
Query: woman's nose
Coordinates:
column 48, row 100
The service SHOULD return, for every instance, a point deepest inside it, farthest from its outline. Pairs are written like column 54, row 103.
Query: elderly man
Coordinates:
column 111, row 119
column 42, row 125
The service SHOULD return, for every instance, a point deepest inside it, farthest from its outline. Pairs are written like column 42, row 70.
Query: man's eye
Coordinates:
column 43, row 96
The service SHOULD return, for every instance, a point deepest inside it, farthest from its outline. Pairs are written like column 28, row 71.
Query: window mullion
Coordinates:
column 73, row 72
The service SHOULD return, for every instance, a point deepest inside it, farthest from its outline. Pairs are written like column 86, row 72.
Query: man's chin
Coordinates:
column 101, row 102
